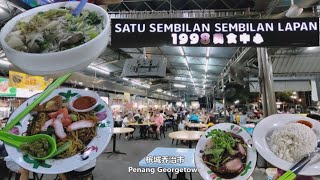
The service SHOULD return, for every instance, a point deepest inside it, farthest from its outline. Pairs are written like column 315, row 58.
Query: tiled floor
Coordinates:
column 116, row 167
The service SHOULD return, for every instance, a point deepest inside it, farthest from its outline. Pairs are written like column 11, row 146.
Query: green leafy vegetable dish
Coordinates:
column 225, row 153
column 54, row 30
column 37, row 148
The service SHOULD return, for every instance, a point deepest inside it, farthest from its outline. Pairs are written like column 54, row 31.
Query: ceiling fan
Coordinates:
column 239, row 74
column 294, row 10
column 297, row 9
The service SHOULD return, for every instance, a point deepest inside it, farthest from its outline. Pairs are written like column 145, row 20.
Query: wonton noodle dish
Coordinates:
column 72, row 130
column 54, row 30
column 293, row 142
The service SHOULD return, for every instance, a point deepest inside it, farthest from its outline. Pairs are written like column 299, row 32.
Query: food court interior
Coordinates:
column 213, row 83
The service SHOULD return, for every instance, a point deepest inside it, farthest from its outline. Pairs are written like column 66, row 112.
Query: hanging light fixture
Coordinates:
column 181, row 51
column 207, row 61
column 208, row 52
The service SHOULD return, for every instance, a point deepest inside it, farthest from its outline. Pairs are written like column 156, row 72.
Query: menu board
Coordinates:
column 25, row 81
column 5, row 89
column 116, row 99
column 133, row 33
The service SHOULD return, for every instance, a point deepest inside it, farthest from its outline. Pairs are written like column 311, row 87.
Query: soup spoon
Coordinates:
column 17, row 141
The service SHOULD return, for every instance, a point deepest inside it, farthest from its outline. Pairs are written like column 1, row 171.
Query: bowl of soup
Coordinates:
column 50, row 40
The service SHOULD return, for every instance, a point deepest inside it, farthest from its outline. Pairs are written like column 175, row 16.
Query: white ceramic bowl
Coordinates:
column 84, row 93
column 57, row 62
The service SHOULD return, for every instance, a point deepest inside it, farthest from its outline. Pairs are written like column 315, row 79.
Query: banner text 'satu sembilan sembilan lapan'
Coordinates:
column 215, row 32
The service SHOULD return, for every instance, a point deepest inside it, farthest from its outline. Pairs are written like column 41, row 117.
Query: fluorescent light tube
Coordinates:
column 179, row 85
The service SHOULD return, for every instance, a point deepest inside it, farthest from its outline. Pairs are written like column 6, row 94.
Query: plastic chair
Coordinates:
column 17, row 176
column 162, row 131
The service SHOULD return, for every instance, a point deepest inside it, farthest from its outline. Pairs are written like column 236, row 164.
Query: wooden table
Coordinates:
column 142, row 128
column 253, row 120
column 141, row 124
column 186, row 136
column 196, row 125
column 114, row 138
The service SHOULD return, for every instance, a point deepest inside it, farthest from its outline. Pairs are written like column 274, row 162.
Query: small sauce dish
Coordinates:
column 307, row 123
column 84, row 102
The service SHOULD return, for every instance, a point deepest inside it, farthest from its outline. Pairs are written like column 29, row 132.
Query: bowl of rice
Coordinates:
column 292, row 142
column 282, row 141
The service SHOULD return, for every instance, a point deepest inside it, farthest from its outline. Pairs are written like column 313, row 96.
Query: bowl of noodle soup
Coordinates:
column 60, row 61
column 86, row 133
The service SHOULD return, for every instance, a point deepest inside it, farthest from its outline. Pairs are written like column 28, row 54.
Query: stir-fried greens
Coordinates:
column 224, row 153
column 55, row 30
column 222, row 142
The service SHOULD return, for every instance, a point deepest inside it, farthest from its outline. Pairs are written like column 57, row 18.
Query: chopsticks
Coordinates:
column 292, row 172
column 289, row 175
column 37, row 101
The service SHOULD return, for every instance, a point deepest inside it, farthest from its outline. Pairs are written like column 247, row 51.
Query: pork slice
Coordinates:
column 242, row 149
column 234, row 165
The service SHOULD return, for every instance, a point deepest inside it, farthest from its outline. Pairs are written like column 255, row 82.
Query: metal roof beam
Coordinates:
column 205, row 13
column 162, row 54
column 226, row 4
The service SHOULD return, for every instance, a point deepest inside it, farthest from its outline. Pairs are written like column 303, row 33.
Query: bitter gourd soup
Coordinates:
column 54, row 30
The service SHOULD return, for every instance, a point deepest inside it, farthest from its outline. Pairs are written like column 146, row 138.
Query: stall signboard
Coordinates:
column 126, row 97
column 5, row 89
column 25, row 81
column 133, row 33
column 116, row 99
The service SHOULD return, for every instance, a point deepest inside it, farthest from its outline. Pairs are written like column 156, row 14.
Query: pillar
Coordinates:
column 266, row 89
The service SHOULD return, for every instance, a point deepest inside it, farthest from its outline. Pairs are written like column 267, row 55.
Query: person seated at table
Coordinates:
column 182, row 123
column 194, row 118
column 176, row 120
column 147, row 116
column 82, row 173
column 163, row 114
column 125, row 123
column 243, row 118
column 210, row 120
column 117, row 120
column 13, row 166
column 137, row 115
column 168, row 121
column 237, row 117
column 175, row 115
column 159, row 121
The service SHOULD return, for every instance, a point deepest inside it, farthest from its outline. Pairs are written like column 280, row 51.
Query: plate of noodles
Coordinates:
column 284, row 139
column 83, row 135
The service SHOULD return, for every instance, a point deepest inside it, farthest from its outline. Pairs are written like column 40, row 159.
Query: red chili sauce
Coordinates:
column 307, row 123
column 84, row 102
